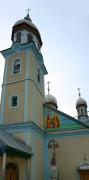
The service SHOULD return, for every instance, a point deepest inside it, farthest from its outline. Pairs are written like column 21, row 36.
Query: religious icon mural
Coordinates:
column 52, row 120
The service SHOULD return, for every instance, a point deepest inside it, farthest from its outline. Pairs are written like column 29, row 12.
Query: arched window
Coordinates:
column 18, row 37
column 30, row 39
column 85, row 111
column 81, row 111
column 16, row 66
column 14, row 101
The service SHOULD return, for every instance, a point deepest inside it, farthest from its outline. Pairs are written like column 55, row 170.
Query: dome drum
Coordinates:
column 51, row 104
column 82, row 115
column 22, row 26
column 81, row 105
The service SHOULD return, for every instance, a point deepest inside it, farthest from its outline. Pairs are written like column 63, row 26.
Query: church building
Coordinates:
column 37, row 141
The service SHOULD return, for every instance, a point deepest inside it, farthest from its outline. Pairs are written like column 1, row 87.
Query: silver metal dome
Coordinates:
column 26, row 20
column 51, row 99
column 81, row 102
column 83, row 165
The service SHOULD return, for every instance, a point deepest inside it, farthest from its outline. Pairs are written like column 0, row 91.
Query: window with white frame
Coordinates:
column 16, row 66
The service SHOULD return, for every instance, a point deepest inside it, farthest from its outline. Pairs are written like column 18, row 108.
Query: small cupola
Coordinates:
column 81, row 107
column 24, row 31
column 81, row 102
column 50, row 100
column 84, row 165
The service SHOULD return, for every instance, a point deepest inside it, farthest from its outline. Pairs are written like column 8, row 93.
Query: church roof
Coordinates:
column 9, row 143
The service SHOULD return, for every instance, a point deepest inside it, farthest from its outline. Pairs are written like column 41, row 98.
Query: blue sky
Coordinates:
column 64, row 28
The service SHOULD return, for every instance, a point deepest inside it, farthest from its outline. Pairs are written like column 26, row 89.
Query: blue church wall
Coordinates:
column 46, row 160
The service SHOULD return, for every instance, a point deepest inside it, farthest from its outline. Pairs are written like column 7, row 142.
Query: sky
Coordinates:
column 64, row 29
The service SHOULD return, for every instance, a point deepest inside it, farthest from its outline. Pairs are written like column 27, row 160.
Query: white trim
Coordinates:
column 26, row 88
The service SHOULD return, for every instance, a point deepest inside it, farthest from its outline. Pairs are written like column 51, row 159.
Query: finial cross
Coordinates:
column 48, row 86
column 84, row 154
column 79, row 92
column 28, row 10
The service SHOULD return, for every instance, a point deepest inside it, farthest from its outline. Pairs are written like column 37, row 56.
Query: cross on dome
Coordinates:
column 28, row 11
column 79, row 92
column 84, row 154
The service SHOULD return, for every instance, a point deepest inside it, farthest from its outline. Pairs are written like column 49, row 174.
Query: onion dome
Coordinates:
column 84, row 165
column 81, row 102
column 26, row 27
column 51, row 101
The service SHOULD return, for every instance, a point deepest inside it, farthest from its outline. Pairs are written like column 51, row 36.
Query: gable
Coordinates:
column 55, row 120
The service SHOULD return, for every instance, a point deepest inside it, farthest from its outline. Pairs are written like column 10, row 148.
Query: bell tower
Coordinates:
column 23, row 84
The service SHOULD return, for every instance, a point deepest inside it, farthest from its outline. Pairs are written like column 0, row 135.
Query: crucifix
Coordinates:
column 53, row 145
column 48, row 86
